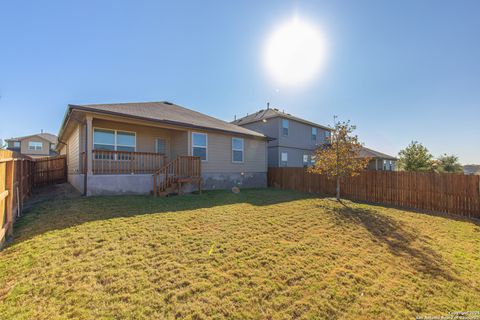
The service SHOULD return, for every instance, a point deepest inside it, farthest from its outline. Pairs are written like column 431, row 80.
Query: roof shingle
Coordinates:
column 169, row 113
column 273, row 113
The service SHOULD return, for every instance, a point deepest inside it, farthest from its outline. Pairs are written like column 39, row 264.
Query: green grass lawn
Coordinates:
column 258, row 254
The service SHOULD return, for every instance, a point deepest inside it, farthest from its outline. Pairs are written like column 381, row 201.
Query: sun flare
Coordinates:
column 295, row 52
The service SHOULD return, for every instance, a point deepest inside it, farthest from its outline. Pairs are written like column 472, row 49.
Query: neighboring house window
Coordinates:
column 312, row 160
column 314, row 134
column 284, row 158
column 305, row 160
column 391, row 165
column 327, row 135
column 200, row 145
column 285, row 127
column 113, row 140
column 52, row 146
column 34, row 145
column 161, row 146
column 385, row 164
column 16, row 144
column 237, row 150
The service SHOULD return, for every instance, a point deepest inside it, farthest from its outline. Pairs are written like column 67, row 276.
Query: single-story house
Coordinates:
column 379, row 161
column 135, row 148
column 35, row 145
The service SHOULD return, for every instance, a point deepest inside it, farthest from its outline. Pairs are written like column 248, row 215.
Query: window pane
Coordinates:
column 284, row 156
column 34, row 145
column 161, row 146
column 237, row 144
column 237, row 156
column 200, row 152
column 285, row 131
column 314, row 131
column 126, row 138
column 284, row 123
column 199, row 140
column 103, row 136
column 305, row 158
column 103, row 147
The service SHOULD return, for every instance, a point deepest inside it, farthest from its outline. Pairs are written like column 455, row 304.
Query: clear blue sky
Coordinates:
column 401, row 71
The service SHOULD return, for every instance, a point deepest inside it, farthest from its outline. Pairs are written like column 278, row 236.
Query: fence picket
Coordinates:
column 449, row 193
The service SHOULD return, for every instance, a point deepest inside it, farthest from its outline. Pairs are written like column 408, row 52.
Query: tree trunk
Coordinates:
column 338, row 188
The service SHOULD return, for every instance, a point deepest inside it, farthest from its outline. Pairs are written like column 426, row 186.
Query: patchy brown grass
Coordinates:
column 259, row 254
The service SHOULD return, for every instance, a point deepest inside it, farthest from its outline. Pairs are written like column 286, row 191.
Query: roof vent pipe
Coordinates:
column 268, row 105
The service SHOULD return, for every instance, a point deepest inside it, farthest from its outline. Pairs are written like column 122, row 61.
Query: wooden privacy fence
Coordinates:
column 50, row 170
column 449, row 193
column 16, row 181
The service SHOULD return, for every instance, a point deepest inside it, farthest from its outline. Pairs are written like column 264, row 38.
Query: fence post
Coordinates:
column 9, row 176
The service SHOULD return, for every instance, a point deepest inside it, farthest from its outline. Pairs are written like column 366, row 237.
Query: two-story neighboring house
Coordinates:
column 292, row 140
column 35, row 145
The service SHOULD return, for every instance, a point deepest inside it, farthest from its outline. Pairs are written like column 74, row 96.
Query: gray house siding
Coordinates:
column 270, row 128
column 300, row 136
column 295, row 156
column 297, row 143
column 273, row 157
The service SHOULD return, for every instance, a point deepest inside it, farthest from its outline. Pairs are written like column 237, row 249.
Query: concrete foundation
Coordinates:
column 77, row 181
column 111, row 184
column 229, row 180
column 143, row 183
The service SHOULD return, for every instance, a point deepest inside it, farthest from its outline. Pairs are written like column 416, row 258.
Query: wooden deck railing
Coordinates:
column 125, row 162
column 183, row 167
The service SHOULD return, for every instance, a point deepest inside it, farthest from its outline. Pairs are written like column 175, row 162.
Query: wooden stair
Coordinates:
column 170, row 178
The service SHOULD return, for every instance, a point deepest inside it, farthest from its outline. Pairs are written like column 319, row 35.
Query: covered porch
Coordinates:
column 126, row 156
column 114, row 147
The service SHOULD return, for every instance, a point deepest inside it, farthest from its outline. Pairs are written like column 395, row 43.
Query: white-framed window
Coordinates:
column 385, row 164
column 114, row 140
column 285, row 127
column 314, row 134
column 284, row 159
column 305, row 160
column 237, row 150
column 161, row 146
column 327, row 135
column 16, row 144
column 200, row 145
column 34, row 145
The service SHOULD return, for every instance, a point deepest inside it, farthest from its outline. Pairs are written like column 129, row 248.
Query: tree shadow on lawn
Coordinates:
column 399, row 241
column 49, row 215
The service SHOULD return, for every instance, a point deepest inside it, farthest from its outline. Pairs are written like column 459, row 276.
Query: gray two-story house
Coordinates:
column 292, row 140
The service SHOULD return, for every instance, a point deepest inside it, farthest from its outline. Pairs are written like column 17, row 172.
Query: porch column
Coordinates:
column 88, row 152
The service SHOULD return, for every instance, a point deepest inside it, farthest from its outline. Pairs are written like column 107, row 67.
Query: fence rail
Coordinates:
column 16, row 181
column 125, row 162
column 18, row 175
column 448, row 193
